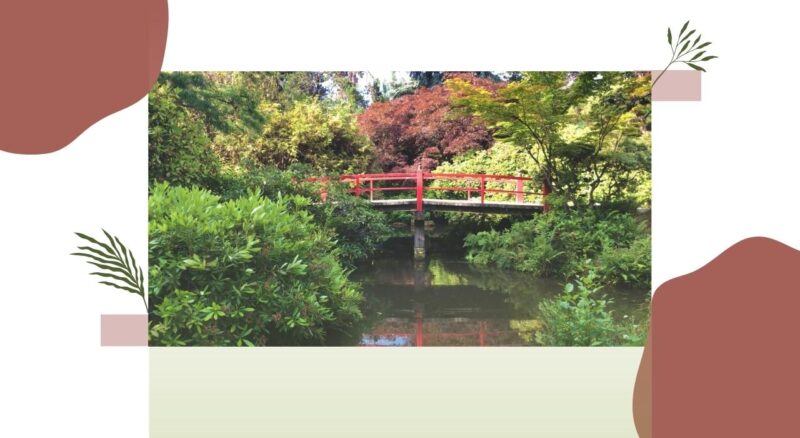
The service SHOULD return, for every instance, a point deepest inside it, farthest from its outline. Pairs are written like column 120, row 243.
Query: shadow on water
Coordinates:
column 445, row 301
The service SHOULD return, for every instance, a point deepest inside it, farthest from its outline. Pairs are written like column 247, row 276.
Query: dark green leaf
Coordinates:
column 695, row 66
column 669, row 36
column 115, row 277
column 685, row 46
column 691, row 32
column 123, row 250
column 125, row 288
column 100, row 244
column 98, row 259
column 699, row 54
column 113, row 269
column 708, row 58
column 683, row 29
column 113, row 245
column 703, row 45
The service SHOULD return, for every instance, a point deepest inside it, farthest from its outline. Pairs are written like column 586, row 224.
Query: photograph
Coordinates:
column 399, row 208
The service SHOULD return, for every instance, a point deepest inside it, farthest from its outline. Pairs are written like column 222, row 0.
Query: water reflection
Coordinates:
column 445, row 301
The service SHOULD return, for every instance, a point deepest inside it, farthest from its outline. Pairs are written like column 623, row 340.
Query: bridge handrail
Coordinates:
column 419, row 177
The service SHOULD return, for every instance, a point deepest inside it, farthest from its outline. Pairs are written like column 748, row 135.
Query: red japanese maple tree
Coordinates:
column 421, row 129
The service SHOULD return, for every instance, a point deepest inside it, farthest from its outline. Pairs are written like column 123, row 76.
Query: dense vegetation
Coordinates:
column 230, row 273
column 243, row 250
column 580, row 317
column 568, row 244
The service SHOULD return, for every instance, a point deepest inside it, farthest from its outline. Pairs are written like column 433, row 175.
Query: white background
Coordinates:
column 724, row 168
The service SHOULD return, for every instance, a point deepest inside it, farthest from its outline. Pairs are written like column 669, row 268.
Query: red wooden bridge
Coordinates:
column 508, row 195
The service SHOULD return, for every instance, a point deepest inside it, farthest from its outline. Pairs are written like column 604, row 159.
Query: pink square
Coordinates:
column 123, row 330
column 677, row 85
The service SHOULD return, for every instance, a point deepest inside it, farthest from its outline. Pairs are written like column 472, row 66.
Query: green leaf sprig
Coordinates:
column 684, row 47
column 116, row 263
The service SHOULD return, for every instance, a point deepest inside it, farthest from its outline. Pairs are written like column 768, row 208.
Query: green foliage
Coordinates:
column 238, row 181
column 629, row 265
column 323, row 135
column 580, row 316
column 224, row 102
column 583, row 131
column 179, row 145
column 359, row 229
column 250, row 271
column 116, row 263
column 566, row 243
column 502, row 158
column 577, row 317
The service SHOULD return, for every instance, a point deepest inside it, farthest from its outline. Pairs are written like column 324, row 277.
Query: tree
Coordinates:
column 578, row 128
column 431, row 78
column 322, row 134
column 420, row 130
column 178, row 143
column 222, row 101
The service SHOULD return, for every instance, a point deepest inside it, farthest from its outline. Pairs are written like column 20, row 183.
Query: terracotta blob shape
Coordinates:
column 725, row 352
column 68, row 64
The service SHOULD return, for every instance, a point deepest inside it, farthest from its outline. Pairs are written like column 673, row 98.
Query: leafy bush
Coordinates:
column 179, row 146
column 238, row 181
column 502, row 158
column 577, row 317
column 566, row 243
column 321, row 134
column 628, row 265
column 250, row 271
column 359, row 229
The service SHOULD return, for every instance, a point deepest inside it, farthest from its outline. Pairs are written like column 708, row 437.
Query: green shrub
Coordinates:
column 359, row 229
column 567, row 243
column 238, row 181
column 628, row 265
column 577, row 317
column 250, row 271
column 633, row 331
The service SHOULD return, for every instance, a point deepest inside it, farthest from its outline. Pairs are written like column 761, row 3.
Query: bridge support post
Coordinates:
column 419, row 236
column 545, row 192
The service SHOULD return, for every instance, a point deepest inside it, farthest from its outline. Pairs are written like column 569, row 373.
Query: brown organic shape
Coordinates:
column 725, row 354
column 68, row 64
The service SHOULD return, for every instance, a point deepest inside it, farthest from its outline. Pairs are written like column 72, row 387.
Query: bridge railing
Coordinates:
column 473, row 183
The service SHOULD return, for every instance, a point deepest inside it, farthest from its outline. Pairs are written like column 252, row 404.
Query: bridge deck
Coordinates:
column 473, row 205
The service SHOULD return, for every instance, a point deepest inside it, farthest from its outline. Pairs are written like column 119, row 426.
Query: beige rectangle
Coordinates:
column 363, row 392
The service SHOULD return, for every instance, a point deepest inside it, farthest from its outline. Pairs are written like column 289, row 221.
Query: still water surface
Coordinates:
column 446, row 301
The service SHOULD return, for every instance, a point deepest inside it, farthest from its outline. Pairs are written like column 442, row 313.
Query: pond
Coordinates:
column 446, row 301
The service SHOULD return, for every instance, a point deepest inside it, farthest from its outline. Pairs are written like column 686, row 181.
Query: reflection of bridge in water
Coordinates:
column 469, row 335
column 399, row 332
column 510, row 195
column 421, row 312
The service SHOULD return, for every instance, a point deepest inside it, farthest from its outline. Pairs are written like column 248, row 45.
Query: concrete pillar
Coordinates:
column 419, row 235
